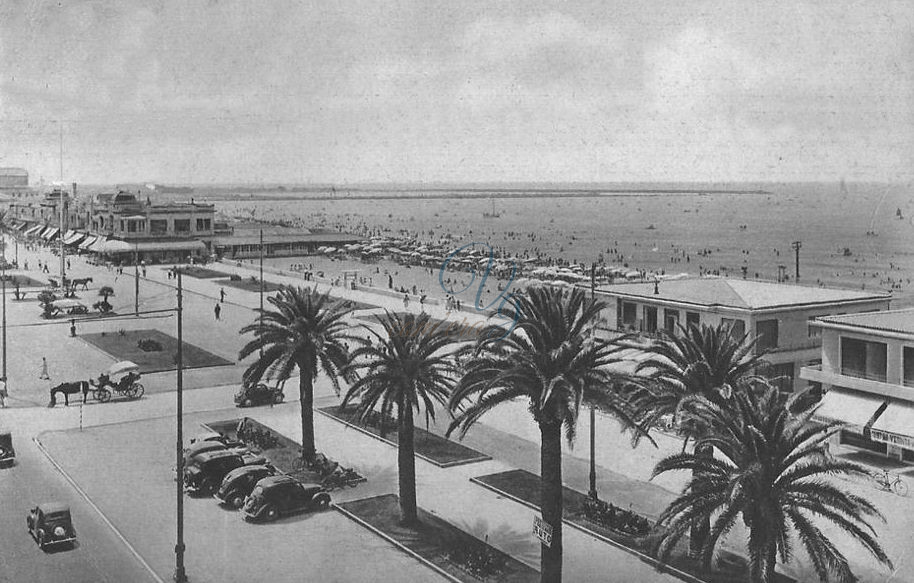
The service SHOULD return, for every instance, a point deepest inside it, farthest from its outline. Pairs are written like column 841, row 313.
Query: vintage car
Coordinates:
column 258, row 394
column 50, row 524
column 278, row 495
column 217, row 437
column 7, row 453
column 205, row 471
column 238, row 484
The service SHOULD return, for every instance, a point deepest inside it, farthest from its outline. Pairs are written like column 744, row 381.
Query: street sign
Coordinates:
column 542, row 530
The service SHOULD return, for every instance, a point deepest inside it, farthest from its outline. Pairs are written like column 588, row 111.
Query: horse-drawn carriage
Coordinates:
column 121, row 378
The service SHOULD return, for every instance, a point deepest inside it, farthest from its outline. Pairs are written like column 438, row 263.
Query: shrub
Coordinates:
column 616, row 518
column 149, row 345
column 234, row 277
column 102, row 306
column 46, row 299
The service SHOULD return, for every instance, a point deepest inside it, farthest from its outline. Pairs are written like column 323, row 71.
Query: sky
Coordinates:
column 425, row 91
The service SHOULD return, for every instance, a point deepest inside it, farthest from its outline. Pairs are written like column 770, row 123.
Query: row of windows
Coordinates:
column 627, row 315
column 869, row 360
column 160, row 226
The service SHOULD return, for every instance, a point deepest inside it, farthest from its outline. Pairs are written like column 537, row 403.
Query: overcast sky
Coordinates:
column 416, row 90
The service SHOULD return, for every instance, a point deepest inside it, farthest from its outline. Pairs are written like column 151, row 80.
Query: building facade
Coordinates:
column 779, row 315
column 867, row 375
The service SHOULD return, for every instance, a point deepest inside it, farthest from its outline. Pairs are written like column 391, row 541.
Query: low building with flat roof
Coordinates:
column 867, row 376
column 778, row 314
column 245, row 243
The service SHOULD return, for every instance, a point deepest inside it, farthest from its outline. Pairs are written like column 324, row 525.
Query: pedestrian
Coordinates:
column 422, row 302
column 44, row 370
column 217, row 310
column 144, row 271
column 3, row 393
column 26, row 264
column 68, row 264
column 406, row 300
column 221, row 295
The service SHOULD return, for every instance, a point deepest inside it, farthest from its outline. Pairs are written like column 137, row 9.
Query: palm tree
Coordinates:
column 406, row 370
column 105, row 292
column 550, row 359
column 775, row 475
column 698, row 361
column 306, row 330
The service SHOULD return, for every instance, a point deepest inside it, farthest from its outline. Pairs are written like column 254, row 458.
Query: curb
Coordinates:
column 483, row 457
column 104, row 518
column 399, row 545
column 662, row 567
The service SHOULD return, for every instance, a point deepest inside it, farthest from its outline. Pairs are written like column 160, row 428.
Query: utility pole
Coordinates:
column 796, row 248
column 136, row 279
column 60, row 201
column 260, row 319
column 180, row 574
column 593, row 415
column 3, row 279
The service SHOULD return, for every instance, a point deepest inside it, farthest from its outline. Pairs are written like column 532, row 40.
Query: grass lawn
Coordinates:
column 525, row 487
column 248, row 284
column 23, row 281
column 203, row 273
column 124, row 347
column 436, row 449
column 438, row 541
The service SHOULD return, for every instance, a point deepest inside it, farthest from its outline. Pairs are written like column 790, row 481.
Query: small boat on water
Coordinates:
column 491, row 215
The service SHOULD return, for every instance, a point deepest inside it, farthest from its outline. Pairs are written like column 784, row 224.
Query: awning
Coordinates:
column 74, row 237
column 88, row 242
column 118, row 246
column 50, row 233
column 98, row 246
column 850, row 407
column 895, row 425
column 33, row 230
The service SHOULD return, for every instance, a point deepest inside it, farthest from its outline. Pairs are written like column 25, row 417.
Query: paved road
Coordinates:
column 99, row 556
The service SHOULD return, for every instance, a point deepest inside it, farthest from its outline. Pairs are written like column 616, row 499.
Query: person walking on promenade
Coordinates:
column 3, row 393
column 221, row 295
column 217, row 311
column 406, row 300
column 44, row 370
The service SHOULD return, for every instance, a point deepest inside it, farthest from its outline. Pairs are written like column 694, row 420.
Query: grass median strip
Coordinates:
column 203, row 273
column 524, row 487
column 123, row 345
column 458, row 553
column 431, row 447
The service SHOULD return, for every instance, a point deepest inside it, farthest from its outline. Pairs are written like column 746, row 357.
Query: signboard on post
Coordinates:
column 542, row 530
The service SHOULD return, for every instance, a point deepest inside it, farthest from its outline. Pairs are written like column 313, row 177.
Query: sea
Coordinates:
column 850, row 235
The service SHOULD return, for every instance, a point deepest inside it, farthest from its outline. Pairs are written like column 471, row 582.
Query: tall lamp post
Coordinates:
column 260, row 319
column 593, row 414
column 3, row 279
column 180, row 575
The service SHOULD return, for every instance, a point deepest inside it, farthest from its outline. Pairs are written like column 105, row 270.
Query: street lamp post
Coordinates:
column 260, row 319
column 136, row 279
column 180, row 575
column 593, row 415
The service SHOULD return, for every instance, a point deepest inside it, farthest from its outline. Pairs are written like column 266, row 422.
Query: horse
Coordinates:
column 83, row 281
column 68, row 389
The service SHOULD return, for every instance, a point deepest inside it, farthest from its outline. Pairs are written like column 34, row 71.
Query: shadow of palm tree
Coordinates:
column 519, row 544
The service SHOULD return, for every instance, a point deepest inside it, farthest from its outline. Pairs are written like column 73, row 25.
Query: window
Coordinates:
column 629, row 313
column 908, row 366
column 158, row 226
column 768, row 334
column 737, row 327
column 204, row 224
column 670, row 319
column 122, row 225
column 692, row 319
column 863, row 359
column 650, row 319
column 182, row 225
column 813, row 331
column 135, row 226
column 781, row 376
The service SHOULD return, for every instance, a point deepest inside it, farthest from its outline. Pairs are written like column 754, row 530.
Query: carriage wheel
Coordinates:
column 138, row 389
column 278, row 397
column 103, row 395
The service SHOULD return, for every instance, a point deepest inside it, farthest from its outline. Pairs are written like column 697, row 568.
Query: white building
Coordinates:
column 867, row 372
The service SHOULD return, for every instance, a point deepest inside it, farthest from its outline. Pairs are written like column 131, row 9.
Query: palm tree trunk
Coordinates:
column 306, row 398
column 406, row 462
column 551, row 500
column 701, row 527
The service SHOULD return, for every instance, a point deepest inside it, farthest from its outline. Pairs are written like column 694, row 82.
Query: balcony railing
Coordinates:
column 862, row 374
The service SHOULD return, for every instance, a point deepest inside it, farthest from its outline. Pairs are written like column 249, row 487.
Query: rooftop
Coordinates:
column 738, row 293
column 898, row 321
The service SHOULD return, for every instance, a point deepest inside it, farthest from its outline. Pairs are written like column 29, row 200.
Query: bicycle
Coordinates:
column 883, row 480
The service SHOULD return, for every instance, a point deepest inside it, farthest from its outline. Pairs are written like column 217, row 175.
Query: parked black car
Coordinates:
column 49, row 523
column 204, row 472
column 239, row 483
column 279, row 495
column 258, row 394
column 7, row 453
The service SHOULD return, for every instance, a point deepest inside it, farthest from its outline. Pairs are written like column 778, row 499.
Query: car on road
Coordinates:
column 50, row 523
column 280, row 495
column 7, row 453
column 239, row 483
column 258, row 394
column 215, row 437
column 205, row 472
